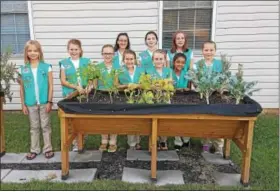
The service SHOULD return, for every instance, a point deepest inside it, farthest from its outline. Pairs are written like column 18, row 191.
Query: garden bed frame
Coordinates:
column 2, row 133
column 235, row 128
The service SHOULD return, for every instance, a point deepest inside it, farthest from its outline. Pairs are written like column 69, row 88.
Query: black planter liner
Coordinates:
column 249, row 108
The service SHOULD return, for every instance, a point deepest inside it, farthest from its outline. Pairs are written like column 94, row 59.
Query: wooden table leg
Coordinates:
column 80, row 142
column 227, row 149
column 64, row 148
column 154, row 150
column 150, row 143
column 246, row 153
column 2, row 132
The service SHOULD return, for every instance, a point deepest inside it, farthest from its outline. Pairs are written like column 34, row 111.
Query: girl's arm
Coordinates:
column 23, row 106
column 50, row 92
column 67, row 84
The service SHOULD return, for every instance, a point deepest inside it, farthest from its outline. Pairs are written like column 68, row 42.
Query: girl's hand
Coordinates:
column 80, row 89
column 48, row 107
column 24, row 110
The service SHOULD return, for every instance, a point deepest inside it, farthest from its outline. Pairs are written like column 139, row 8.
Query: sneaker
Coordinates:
column 206, row 148
column 75, row 148
column 177, row 147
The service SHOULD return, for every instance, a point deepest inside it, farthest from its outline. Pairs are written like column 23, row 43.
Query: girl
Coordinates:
column 131, row 74
column 107, row 66
column 36, row 94
column 70, row 81
column 209, row 51
column 160, row 72
column 145, row 57
column 180, row 45
column 179, row 61
column 122, row 43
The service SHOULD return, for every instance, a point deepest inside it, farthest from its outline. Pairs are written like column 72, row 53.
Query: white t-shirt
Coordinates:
column 132, row 75
column 76, row 64
column 34, row 72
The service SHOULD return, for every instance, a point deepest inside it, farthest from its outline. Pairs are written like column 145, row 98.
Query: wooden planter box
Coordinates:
column 238, row 129
column 2, row 134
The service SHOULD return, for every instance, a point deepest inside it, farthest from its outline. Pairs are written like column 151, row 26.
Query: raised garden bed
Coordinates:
column 228, row 121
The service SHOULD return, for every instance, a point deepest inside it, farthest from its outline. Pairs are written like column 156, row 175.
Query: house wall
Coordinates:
column 248, row 31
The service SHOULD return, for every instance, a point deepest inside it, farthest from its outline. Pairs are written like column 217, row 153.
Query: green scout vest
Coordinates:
column 216, row 65
column 166, row 73
column 182, row 82
column 187, row 54
column 29, row 85
column 116, row 61
column 146, row 60
column 71, row 73
column 105, row 75
column 124, row 78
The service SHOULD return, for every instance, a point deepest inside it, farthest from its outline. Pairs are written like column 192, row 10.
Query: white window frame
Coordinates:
column 160, row 20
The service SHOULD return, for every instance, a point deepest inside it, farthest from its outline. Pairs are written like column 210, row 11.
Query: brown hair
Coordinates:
column 128, row 51
column 107, row 45
column 210, row 42
column 174, row 46
column 160, row 51
column 75, row 42
column 38, row 47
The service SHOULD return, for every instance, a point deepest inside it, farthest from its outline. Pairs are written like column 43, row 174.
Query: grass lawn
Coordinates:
column 264, row 163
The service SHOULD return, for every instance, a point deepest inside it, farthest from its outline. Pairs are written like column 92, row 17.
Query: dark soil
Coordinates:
column 187, row 97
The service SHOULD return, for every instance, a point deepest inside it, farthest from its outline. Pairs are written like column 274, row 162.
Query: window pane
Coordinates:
column 186, row 19
column 22, row 23
column 22, row 39
column 190, row 39
column 7, row 24
column 170, row 20
column 188, row 4
column 14, row 6
column 204, row 3
column 203, row 19
column 167, row 40
column 170, row 4
column 200, row 37
column 8, row 41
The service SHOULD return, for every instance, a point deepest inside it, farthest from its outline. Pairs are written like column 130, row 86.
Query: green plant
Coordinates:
column 240, row 88
column 8, row 70
column 130, row 93
column 223, row 84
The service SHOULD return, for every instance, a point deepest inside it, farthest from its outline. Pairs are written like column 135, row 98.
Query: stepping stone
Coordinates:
column 39, row 159
column 57, row 157
column 215, row 159
column 145, row 155
column 88, row 156
column 227, row 179
column 75, row 175
column 133, row 175
column 5, row 172
column 12, row 158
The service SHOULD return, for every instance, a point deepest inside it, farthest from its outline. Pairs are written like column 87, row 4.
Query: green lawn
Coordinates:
column 264, row 163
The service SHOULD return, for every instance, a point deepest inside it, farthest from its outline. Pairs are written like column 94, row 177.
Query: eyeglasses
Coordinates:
column 107, row 54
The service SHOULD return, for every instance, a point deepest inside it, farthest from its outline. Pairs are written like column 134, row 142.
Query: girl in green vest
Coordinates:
column 145, row 57
column 36, row 94
column 122, row 43
column 209, row 60
column 107, row 67
column 180, row 45
column 180, row 83
column 131, row 75
column 70, row 79
column 160, row 72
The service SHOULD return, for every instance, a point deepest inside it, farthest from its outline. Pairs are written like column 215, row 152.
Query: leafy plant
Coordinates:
column 240, row 88
column 8, row 70
column 131, row 93
column 223, row 84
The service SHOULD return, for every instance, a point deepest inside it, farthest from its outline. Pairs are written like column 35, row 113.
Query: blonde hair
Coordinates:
column 105, row 46
column 75, row 42
column 160, row 51
column 38, row 47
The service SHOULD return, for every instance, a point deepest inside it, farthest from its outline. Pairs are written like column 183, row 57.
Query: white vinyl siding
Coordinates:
column 248, row 31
